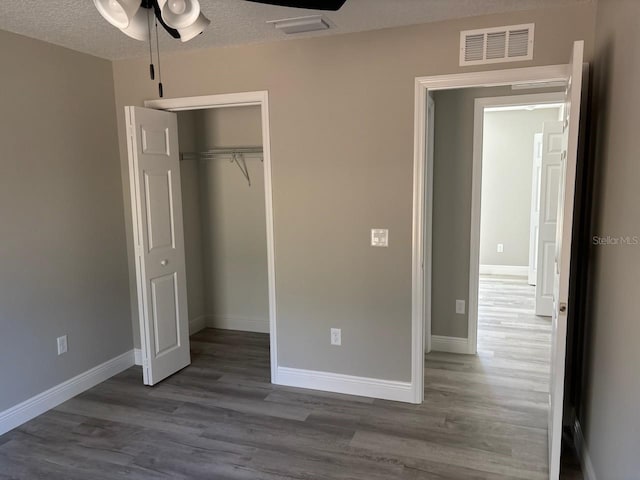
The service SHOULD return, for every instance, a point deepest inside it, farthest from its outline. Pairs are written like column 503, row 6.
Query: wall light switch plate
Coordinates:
column 460, row 307
column 336, row 336
column 62, row 344
column 500, row 247
column 379, row 237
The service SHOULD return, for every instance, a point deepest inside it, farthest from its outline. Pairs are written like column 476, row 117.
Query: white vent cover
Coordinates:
column 496, row 45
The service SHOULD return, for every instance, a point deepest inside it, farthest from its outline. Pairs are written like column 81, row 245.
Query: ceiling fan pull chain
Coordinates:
column 160, row 88
column 152, row 72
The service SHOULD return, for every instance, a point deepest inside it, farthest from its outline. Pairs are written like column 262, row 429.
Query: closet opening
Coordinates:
column 225, row 239
column 200, row 172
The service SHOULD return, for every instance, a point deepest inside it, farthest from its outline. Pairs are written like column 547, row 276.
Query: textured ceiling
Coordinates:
column 76, row 24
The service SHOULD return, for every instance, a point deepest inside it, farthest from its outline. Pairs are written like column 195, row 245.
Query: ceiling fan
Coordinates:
column 182, row 19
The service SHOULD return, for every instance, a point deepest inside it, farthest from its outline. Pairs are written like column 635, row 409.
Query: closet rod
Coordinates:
column 236, row 154
column 220, row 151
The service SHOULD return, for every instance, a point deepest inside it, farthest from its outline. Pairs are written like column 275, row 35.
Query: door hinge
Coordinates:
column 130, row 130
column 138, row 250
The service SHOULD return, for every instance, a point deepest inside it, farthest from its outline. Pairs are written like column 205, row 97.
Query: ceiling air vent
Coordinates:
column 496, row 45
column 292, row 26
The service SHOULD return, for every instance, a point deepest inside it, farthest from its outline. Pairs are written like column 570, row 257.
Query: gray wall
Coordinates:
column 62, row 248
column 341, row 111
column 192, row 215
column 229, row 127
column 224, row 220
column 507, row 163
column 609, row 414
column 452, row 174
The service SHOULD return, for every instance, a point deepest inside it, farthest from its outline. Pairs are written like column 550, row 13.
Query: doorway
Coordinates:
column 571, row 76
column 514, row 203
column 222, row 179
column 200, row 172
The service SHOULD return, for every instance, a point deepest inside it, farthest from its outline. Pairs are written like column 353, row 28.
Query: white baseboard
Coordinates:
column 137, row 352
column 348, row 384
column 37, row 405
column 197, row 324
column 583, row 452
column 449, row 344
column 259, row 325
column 511, row 270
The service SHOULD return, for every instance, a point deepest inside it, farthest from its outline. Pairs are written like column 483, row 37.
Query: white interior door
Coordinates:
column 154, row 169
column 550, row 178
column 536, row 176
column 563, row 256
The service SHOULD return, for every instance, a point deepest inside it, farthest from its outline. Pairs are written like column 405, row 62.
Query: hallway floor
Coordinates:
column 484, row 416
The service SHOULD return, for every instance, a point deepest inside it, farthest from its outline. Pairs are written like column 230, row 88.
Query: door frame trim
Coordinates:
column 476, row 195
column 244, row 99
column 421, row 272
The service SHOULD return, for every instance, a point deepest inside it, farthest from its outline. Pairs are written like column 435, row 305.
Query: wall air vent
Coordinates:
column 496, row 45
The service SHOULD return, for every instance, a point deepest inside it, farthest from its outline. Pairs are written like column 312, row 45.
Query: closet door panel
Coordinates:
column 154, row 167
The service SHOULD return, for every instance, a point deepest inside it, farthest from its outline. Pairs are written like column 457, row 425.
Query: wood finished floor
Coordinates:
column 484, row 417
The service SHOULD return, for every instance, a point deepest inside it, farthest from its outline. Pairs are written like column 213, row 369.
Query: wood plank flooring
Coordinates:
column 484, row 416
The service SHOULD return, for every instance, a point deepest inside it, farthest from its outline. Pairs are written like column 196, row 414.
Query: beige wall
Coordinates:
column 341, row 111
column 63, row 267
column 609, row 414
column 452, row 174
column 192, row 215
column 228, row 127
column 224, row 220
column 507, row 164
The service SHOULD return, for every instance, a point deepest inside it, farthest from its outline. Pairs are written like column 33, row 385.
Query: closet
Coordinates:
column 223, row 202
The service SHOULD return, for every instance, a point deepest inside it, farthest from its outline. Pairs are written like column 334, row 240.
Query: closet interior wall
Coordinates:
column 224, row 221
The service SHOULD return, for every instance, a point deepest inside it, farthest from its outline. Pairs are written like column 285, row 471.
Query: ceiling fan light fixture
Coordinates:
column 177, row 6
column 138, row 27
column 180, row 13
column 117, row 12
column 195, row 29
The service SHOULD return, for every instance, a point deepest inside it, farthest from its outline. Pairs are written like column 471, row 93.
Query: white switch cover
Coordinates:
column 336, row 336
column 379, row 237
column 460, row 307
column 500, row 247
column 62, row 344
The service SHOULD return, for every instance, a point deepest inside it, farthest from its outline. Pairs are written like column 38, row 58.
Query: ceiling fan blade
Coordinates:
column 333, row 5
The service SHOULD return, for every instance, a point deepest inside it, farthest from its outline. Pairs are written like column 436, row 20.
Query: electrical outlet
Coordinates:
column 500, row 247
column 336, row 336
column 460, row 307
column 62, row 344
